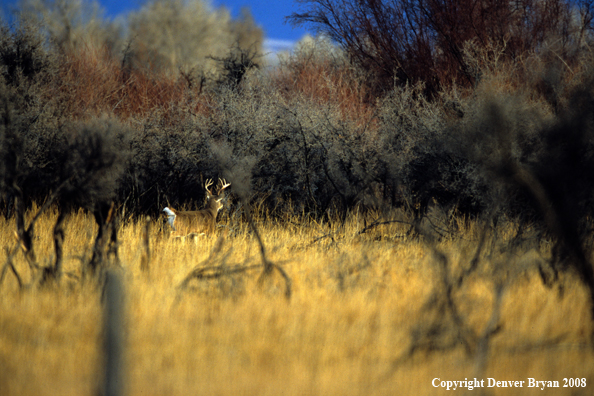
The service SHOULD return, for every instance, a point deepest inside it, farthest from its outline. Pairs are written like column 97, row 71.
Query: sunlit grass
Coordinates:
column 357, row 301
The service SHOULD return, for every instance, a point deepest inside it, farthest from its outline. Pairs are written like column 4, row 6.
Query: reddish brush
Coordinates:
column 96, row 82
column 324, row 82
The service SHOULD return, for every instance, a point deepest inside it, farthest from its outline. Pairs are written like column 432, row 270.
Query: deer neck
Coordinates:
column 213, row 207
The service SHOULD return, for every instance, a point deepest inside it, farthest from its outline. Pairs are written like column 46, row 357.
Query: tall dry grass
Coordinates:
column 359, row 301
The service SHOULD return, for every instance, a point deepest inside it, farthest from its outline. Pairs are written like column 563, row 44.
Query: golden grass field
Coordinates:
column 357, row 301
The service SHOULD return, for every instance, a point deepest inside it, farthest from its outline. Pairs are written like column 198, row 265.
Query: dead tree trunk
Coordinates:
column 106, row 242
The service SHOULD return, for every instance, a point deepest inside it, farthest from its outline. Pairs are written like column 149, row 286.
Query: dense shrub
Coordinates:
column 322, row 73
column 412, row 41
column 173, row 35
column 72, row 25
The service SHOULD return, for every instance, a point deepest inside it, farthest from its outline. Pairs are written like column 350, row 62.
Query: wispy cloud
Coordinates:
column 276, row 45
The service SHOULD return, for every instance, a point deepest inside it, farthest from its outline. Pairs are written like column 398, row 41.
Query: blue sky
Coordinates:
column 270, row 15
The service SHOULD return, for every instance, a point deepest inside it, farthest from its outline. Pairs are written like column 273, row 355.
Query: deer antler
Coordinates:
column 207, row 185
column 224, row 184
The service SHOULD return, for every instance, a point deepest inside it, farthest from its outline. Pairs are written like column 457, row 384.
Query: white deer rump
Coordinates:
column 170, row 218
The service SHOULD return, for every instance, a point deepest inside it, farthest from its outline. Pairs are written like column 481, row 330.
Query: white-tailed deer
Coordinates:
column 197, row 222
